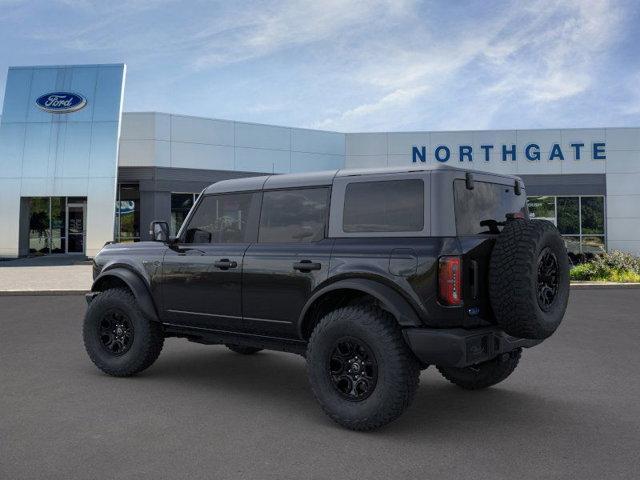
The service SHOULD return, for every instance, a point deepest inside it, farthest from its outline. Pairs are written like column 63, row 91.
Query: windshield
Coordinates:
column 483, row 210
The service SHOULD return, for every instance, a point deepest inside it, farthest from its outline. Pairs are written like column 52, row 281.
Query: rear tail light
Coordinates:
column 450, row 280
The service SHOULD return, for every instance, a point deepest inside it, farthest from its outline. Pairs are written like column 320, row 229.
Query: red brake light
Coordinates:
column 450, row 280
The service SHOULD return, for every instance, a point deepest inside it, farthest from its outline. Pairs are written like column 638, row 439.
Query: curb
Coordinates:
column 22, row 293
column 602, row 285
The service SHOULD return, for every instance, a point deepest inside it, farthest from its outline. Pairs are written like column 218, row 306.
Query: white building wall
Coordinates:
column 165, row 140
column 621, row 166
column 395, row 148
column 623, row 188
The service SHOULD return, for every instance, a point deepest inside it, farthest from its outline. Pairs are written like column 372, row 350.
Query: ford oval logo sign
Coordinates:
column 61, row 102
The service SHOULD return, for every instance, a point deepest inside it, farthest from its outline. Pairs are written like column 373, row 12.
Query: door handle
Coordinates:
column 306, row 266
column 225, row 264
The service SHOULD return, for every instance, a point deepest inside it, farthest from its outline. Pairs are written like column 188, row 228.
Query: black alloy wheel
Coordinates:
column 120, row 340
column 116, row 333
column 353, row 369
column 361, row 370
column 547, row 278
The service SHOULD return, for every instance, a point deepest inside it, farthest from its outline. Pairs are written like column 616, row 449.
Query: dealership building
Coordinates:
column 76, row 171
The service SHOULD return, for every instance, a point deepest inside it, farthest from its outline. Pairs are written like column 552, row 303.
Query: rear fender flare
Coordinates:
column 389, row 299
column 137, row 286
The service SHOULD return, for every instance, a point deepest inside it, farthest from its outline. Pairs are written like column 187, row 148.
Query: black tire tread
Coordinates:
column 510, row 275
column 406, row 372
column 153, row 342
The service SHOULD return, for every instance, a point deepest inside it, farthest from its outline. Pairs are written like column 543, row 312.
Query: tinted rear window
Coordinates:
column 386, row 206
column 481, row 210
column 294, row 216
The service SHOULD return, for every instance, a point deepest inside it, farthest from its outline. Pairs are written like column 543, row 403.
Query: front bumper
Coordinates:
column 457, row 347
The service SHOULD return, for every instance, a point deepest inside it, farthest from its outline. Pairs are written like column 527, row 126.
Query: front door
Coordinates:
column 202, row 273
column 76, row 227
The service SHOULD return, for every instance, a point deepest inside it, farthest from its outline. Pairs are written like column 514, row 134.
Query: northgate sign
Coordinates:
column 531, row 152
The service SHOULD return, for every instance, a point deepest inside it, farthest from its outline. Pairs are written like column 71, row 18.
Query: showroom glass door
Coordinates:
column 76, row 229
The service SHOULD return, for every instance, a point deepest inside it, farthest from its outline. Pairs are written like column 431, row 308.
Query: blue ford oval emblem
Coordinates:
column 61, row 102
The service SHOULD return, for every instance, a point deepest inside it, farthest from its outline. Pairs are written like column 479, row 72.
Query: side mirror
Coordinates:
column 159, row 231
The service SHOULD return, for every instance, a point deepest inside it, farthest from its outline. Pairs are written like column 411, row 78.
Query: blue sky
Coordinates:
column 351, row 65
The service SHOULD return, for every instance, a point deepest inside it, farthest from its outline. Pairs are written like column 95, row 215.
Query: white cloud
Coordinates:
column 350, row 64
column 398, row 98
column 542, row 52
column 286, row 24
column 550, row 57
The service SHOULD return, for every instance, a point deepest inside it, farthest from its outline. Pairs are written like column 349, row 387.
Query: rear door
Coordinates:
column 289, row 260
column 202, row 273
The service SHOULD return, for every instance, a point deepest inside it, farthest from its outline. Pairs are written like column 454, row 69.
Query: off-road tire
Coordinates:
column 514, row 278
column 484, row 374
column 241, row 349
column 148, row 337
column 398, row 371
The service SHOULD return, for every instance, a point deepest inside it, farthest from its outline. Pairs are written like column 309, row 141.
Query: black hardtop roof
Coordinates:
column 324, row 178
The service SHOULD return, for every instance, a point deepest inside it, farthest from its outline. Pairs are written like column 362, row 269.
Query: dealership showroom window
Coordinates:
column 580, row 220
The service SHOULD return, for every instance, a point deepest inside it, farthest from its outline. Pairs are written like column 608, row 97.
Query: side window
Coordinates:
column 298, row 215
column 224, row 218
column 384, row 206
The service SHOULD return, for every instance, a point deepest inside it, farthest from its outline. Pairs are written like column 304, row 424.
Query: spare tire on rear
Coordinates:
column 529, row 278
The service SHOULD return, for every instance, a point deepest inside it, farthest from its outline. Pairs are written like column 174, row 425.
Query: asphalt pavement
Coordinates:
column 570, row 411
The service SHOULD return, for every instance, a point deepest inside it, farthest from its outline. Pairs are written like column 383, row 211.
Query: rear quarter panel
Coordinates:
column 407, row 265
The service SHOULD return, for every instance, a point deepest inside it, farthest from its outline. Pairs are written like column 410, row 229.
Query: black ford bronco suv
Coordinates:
column 372, row 275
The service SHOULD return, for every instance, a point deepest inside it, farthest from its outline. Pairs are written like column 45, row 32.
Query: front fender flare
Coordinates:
column 137, row 286
column 390, row 300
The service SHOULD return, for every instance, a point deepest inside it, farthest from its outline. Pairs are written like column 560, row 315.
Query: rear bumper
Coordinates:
column 457, row 347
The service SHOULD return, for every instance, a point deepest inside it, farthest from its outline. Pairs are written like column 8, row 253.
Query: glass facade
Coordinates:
column 51, row 156
column 580, row 219
column 181, row 203
column 39, row 226
column 57, row 225
column 127, row 224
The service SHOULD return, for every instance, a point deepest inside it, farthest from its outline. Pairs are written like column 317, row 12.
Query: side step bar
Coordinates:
column 214, row 337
